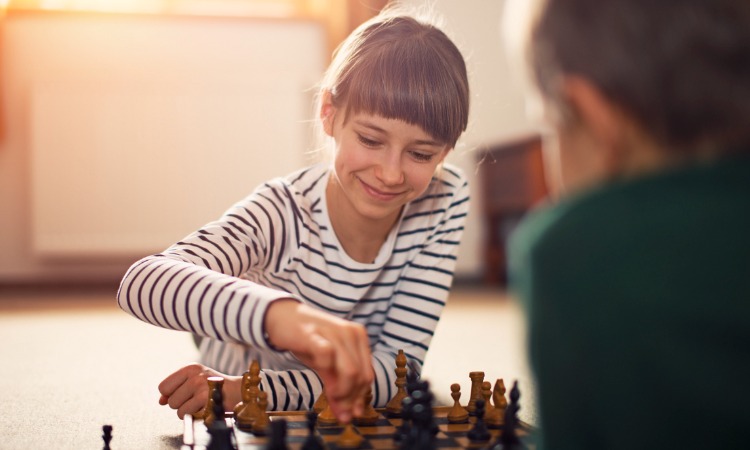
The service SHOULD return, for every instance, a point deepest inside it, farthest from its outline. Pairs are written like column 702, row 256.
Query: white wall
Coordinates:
column 47, row 50
column 497, row 103
column 122, row 133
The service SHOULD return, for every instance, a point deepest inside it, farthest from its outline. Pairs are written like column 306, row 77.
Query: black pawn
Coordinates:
column 277, row 440
column 402, row 431
column 106, row 436
column 313, row 441
column 221, row 434
column 479, row 432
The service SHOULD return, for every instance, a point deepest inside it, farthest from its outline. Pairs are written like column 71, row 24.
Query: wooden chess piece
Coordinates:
column 369, row 415
column 321, row 403
column 511, row 416
column 326, row 417
column 479, row 432
column 260, row 424
column 214, row 383
column 277, row 439
column 244, row 394
column 498, row 395
column 496, row 417
column 393, row 407
column 106, row 436
column 508, row 438
column 250, row 410
column 312, row 441
column 486, row 394
column 457, row 414
column 221, row 434
column 477, row 378
column 349, row 438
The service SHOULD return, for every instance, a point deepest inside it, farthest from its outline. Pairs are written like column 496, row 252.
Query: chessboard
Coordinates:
column 377, row 436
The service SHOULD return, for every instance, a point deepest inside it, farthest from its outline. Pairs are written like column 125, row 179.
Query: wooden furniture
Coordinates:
column 511, row 180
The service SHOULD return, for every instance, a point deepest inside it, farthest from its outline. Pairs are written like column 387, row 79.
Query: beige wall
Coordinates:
column 60, row 52
column 122, row 133
column 497, row 103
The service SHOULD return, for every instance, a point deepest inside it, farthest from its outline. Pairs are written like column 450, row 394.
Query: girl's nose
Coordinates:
column 389, row 171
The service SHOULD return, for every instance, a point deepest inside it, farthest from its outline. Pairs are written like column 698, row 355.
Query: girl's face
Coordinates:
column 380, row 164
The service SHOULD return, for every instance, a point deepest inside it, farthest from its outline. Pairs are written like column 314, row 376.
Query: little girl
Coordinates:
column 324, row 274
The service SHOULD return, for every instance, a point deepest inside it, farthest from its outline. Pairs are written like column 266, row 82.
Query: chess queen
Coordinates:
column 323, row 274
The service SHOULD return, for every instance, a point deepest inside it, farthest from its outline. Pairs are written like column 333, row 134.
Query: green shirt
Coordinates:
column 638, row 304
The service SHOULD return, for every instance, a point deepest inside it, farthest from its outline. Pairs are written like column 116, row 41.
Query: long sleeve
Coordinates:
column 278, row 243
column 195, row 284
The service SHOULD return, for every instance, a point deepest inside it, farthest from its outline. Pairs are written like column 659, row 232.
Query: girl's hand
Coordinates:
column 337, row 349
column 186, row 390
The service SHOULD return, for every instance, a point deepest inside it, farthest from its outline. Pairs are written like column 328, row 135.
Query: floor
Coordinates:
column 72, row 362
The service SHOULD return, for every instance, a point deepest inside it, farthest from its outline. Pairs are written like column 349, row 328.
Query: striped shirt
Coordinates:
column 278, row 243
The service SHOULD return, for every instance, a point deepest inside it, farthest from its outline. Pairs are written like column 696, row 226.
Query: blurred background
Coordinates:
column 127, row 124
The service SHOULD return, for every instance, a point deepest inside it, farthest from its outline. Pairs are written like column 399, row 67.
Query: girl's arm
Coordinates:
column 195, row 286
column 415, row 309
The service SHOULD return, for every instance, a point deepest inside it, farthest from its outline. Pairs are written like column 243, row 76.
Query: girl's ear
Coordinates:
column 327, row 112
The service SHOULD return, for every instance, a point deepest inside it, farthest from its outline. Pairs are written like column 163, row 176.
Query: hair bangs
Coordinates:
column 410, row 80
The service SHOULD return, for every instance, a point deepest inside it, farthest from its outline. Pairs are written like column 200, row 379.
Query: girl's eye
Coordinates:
column 367, row 142
column 422, row 157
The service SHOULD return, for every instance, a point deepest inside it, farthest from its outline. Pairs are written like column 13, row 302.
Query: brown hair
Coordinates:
column 680, row 68
column 400, row 68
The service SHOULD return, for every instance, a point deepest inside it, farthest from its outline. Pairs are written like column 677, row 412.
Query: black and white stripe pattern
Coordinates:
column 278, row 243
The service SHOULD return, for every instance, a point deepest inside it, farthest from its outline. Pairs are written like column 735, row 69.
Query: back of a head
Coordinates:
column 399, row 67
column 681, row 69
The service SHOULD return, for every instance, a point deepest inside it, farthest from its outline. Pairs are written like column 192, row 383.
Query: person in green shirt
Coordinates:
column 635, row 277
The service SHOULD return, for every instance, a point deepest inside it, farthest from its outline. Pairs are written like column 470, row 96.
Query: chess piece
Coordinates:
column 393, row 407
column 326, row 417
column 509, row 439
column 321, row 403
column 313, row 441
column 244, row 393
column 510, row 429
column 106, row 436
column 220, row 433
column 486, row 394
column 457, row 414
column 250, row 410
column 490, row 413
column 477, row 378
column 479, row 432
column 369, row 415
column 424, row 428
column 349, row 438
column 260, row 424
column 498, row 395
column 277, row 439
column 214, row 384
column 496, row 417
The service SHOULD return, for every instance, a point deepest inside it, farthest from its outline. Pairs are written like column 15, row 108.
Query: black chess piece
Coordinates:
column 221, row 434
column 313, row 441
column 106, row 436
column 402, row 431
column 508, row 439
column 479, row 432
column 418, row 429
column 277, row 439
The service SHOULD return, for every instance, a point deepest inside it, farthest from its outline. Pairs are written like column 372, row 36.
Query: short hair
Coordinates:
column 680, row 68
column 401, row 68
